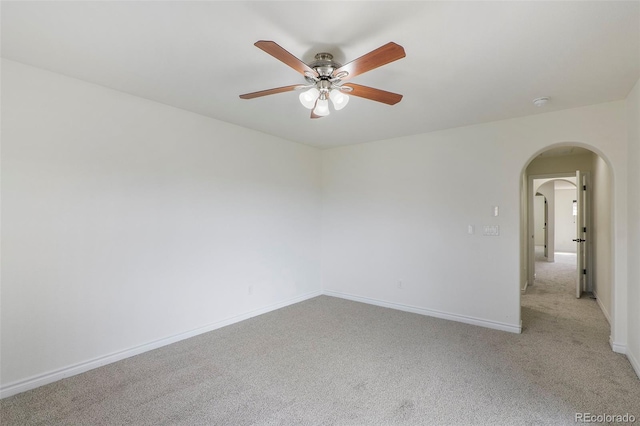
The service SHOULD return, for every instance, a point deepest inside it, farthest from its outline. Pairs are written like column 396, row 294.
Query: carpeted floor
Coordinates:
column 332, row 361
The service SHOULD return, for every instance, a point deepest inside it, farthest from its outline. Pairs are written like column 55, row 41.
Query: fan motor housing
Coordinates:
column 324, row 64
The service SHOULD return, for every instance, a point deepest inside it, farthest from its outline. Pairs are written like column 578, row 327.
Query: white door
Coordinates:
column 582, row 196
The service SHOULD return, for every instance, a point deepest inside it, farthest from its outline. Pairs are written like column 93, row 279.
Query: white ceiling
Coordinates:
column 562, row 151
column 559, row 183
column 467, row 62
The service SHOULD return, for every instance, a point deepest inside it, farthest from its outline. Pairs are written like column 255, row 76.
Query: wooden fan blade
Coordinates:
column 376, row 58
column 275, row 50
column 377, row 95
column 269, row 92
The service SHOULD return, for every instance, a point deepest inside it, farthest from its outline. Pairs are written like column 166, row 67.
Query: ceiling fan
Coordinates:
column 324, row 78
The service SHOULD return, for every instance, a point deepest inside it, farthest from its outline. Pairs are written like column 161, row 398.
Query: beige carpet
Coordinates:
column 332, row 361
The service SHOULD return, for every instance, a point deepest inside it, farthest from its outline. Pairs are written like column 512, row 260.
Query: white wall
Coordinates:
column 126, row 222
column 388, row 216
column 565, row 226
column 633, row 127
column 524, row 232
column 561, row 164
column 600, row 234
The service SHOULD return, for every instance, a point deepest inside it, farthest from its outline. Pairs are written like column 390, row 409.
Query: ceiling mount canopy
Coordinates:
column 324, row 78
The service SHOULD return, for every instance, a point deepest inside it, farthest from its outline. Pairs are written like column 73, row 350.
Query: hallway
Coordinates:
column 553, row 293
column 572, row 353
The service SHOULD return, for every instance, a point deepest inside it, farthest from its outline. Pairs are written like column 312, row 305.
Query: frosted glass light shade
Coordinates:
column 339, row 99
column 322, row 107
column 308, row 98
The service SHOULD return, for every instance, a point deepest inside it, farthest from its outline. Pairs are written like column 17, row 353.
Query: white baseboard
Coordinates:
column 429, row 312
column 53, row 376
column 622, row 349
column 617, row 347
column 634, row 363
column 602, row 308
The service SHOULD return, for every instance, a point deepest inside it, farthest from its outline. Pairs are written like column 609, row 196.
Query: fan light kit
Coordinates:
column 324, row 78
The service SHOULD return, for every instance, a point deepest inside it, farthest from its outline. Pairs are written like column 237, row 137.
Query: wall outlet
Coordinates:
column 400, row 285
column 250, row 291
column 491, row 231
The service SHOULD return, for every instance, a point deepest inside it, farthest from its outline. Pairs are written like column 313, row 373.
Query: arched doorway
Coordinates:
column 554, row 164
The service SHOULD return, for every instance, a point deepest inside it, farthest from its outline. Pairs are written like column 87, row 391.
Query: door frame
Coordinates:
column 531, row 258
column 546, row 228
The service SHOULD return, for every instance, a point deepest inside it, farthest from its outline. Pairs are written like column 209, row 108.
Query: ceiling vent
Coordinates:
column 540, row 102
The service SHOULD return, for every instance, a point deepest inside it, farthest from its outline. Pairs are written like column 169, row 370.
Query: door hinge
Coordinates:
column 545, row 246
column 584, row 187
column 584, row 229
column 584, row 272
